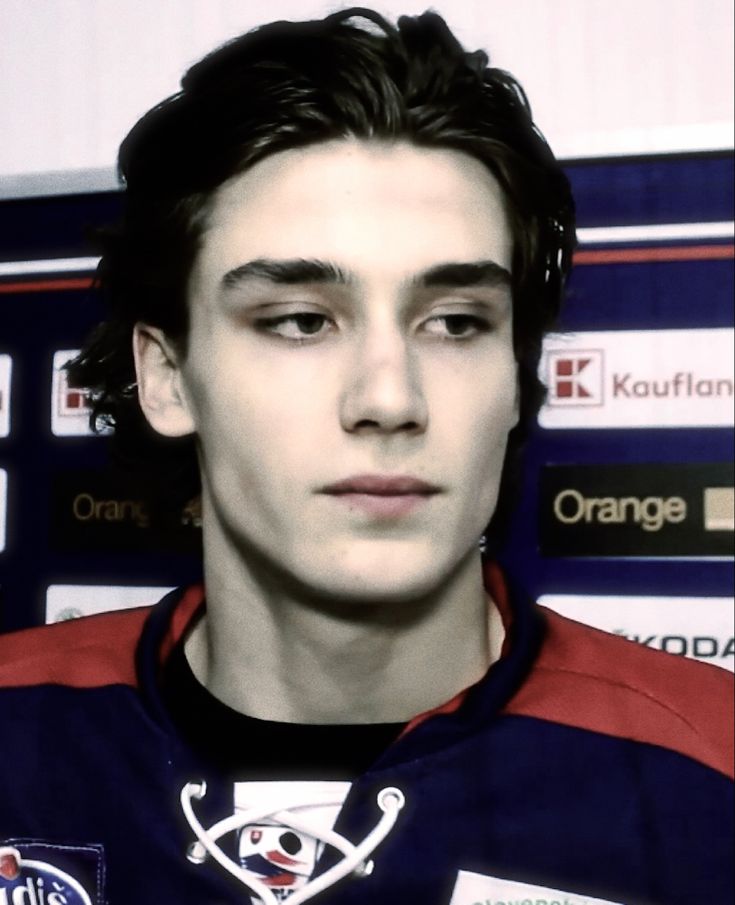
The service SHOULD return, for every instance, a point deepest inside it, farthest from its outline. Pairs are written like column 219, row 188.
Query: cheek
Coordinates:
column 479, row 404
column 497, row 414
column 479, row 421
column 255, row 414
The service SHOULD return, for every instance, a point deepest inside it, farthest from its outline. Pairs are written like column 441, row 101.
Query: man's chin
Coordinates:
column 388, row 581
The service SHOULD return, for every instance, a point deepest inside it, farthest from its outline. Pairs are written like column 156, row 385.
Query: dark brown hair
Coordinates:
column 290, row 84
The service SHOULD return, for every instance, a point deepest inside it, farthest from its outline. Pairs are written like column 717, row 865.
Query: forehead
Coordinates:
column 375, row 209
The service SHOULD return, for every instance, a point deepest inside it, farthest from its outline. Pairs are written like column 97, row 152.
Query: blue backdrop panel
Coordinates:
column 47, row 542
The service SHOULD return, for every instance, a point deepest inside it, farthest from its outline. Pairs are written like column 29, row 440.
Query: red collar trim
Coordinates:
column 185, row 611
column 497, row 589
column 495, row 585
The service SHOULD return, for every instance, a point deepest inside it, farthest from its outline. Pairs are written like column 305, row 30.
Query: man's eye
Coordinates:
column 460, row 326
column 295, row 326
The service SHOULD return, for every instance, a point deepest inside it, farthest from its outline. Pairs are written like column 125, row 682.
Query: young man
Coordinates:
column 342, row 244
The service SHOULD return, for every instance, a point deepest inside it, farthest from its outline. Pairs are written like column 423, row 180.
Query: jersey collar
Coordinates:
column 178, row 611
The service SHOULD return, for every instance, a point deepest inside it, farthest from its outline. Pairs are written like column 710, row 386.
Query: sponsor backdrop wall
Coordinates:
column 625, row 516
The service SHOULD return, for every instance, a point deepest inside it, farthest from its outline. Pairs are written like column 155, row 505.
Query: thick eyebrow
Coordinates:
column 475, row 273
column 287, row 272
column 298, row 271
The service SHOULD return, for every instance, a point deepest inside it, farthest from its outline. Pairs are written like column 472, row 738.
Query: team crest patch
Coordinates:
column 477, row 889
column 275, row 849
column 43, row 873
column 280, row 830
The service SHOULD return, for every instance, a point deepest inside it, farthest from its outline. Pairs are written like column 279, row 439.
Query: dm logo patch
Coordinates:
column 39, row 873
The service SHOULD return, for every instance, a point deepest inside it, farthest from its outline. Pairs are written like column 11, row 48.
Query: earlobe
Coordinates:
column 159, row 378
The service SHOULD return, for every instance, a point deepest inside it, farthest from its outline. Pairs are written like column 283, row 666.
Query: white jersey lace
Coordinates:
column 355, row 858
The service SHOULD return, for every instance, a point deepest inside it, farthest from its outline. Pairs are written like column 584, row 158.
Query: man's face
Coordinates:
column 350, row 372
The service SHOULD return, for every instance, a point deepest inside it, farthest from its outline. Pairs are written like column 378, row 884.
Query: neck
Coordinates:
column 266, row 650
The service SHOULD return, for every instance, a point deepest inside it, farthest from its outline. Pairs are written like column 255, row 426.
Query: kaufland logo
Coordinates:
column 576, row 379
column 72, row 401
column 70, row 406
column 686, row 384
column 639, row 378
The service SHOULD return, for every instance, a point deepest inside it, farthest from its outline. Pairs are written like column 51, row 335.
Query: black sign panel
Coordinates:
column 105, row 511
column 637, row 510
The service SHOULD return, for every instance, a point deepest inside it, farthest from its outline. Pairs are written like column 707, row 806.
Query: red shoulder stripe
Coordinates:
column 88, row 652
column 82, row 653
column 593, row 680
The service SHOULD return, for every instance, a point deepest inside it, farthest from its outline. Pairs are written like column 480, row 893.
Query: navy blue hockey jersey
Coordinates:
column 582, row 770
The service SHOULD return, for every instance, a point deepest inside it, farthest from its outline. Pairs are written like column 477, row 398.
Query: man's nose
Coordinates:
column 383, row 389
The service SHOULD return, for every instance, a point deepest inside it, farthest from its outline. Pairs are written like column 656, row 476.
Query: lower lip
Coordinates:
column 387, row 506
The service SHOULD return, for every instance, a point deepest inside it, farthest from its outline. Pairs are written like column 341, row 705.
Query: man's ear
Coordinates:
column 160, row 389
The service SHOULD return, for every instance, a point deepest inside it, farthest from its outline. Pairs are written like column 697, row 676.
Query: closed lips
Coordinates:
column 381, row 485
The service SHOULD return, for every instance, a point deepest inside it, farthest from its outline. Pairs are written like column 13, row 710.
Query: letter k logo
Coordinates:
column 575, row 377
